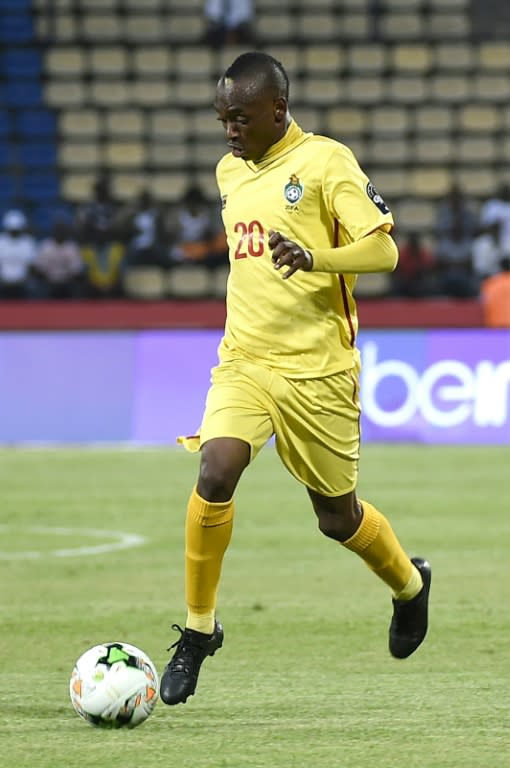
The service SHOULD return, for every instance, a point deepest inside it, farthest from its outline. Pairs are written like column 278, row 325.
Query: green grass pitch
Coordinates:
column 304, row 677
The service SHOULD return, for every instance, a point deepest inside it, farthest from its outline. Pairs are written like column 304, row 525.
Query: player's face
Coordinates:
column 252, row 118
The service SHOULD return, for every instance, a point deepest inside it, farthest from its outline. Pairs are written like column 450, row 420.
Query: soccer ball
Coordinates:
column 114, row 685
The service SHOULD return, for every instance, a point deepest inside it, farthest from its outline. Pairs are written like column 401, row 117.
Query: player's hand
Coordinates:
column 287, row 253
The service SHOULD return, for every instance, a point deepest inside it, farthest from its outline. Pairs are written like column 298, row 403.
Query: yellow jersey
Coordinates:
column 312, row 190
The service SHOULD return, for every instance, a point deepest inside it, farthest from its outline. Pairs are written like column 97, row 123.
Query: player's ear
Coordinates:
column 280, row 109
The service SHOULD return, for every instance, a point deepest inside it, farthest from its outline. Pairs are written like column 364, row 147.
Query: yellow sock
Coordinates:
column 376, row 543
column 207, row 536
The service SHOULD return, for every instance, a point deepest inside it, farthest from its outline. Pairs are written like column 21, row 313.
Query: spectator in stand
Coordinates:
column 196, row 231
column 495, row 296
column 414, row 276
column 17, row 255
column 456, row 228
column 59, row 265
column 488, row 250
column 497, row 210
column 102, row 249
column 145, row 234
column 456, row 214
column 455, row 264
column 228, row 22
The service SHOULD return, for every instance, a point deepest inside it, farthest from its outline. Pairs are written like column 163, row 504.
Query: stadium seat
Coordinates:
column 275, row 27
column 64, row 94
column 103, row 26
column 62, row 62
column 478, row 181
column 170, row 154
column 37, row 154
column 323, row 59
column 79, row 155
column 375, row 285
column 309, row 119
column 447, row 26
column 388, row 151
column 433, row 149
column 40, row 187
column 79, row 124
column 152, row 60
column 430, row 181
column 346, row 121
column 322, row 91
column 16, row 27
column 124, row 123
column 108, row 60
column 170, row 185
column 193, row 62
column 450, row 89
column 149, row 92
column 207, row 153
column 365, row 90
column 401, row 26
column 22, row 93
column 494, row 56
column 169, row 124
column 414, row 58
column 472, row 150
column 183, row 28
column 125, row 154
column 454, row 57
column 32, row 123
column 146, row 283
column 493, row 88
column 189, row 282
column 109, row 93
column 354, row 26
column 317, row 25
column 77, row 185
column 218, row 282
column 202, row 122
column 407, row 90
column 367, row 58
column 431, row 119
column 418, row 215
column 5, row 125
column 390, row 121
column 479, row 118
column 20, row 63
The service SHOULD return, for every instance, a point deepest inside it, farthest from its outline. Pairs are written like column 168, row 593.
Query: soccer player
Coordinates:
column 302, row 220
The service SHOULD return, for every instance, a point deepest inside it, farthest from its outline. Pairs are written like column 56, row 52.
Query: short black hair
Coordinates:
column 256, row 63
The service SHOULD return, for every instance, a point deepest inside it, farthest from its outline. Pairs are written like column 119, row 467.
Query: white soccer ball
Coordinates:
column 114, row 685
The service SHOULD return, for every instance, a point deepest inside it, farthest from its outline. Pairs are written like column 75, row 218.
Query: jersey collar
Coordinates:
column 292, row 138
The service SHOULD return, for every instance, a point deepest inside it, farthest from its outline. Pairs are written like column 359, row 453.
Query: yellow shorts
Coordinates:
column 316, row 422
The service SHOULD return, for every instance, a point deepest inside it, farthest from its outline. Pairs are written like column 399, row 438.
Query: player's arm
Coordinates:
column 376, row 252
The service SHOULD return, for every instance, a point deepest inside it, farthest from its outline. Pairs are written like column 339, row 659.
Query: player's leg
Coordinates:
column 361, row 528
column 235, row 426
column 318, row 437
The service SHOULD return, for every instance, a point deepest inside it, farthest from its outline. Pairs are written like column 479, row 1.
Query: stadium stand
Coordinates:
column 416, row 89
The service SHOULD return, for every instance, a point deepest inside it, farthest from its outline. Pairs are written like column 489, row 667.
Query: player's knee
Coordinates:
column 215, row 482
column 332, row 527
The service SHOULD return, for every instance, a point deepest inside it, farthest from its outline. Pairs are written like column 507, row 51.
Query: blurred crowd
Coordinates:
column 88, row 254
column 467, row 257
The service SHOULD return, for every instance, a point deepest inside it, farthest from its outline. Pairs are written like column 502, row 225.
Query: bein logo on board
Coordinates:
column 446, row 394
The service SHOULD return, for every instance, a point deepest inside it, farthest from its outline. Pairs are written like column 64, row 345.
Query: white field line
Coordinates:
column 120, row 540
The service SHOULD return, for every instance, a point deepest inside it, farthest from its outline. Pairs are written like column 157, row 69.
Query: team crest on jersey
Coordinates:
column 376, row 198
column 293, row 191
column 223, row 201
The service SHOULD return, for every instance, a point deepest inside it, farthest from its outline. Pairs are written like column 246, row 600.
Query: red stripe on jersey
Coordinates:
column 343, row 288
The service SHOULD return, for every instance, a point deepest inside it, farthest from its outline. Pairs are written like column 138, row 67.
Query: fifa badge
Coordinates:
column 293, row 191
